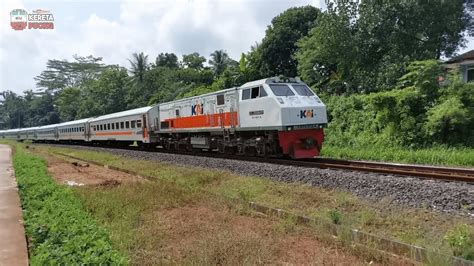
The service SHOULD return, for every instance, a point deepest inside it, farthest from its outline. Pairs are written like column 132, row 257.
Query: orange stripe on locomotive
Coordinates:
column 227, row 119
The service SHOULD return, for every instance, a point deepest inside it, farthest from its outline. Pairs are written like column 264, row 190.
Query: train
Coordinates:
column 279, row 117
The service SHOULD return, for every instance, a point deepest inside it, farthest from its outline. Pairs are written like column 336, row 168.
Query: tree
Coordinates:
column 139, row 64
column 60, row 74
column 219, row 61
column 13, row 110
column 194, row 60
column 68, row 103
column 366, row 46
column 106, row 94
column 167, row 60
column 278, row 47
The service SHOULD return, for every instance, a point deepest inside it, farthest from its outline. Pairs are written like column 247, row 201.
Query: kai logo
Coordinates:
column 306, row 113
column 197, row 109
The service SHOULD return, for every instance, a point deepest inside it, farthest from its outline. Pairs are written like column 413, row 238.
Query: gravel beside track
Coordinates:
column 449, row 197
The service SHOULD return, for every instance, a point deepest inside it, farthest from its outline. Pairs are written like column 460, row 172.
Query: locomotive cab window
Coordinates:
column 303, row 90
column 281, row 90
column 220, row 99
column 255, row 92
column 246, row 94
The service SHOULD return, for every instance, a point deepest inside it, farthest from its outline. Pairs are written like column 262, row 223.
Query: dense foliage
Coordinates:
column 58, row 228
column 365, row 46
column 376, row 63
column 419, row 113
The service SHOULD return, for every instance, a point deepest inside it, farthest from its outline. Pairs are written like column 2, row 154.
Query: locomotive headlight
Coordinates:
column 280, row 100
column 309, row 143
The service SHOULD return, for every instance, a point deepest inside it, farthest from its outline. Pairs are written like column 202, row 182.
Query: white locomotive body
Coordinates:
column 264, row 117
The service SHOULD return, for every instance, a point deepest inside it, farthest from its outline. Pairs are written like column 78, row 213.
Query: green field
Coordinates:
column 415, row 226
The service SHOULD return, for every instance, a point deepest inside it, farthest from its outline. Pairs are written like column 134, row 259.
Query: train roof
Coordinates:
column 12, row 130
column 201, row 95
column 28, row 128
column 47, row 126
column 137, row 111
column 270, row 81
column 74, row 122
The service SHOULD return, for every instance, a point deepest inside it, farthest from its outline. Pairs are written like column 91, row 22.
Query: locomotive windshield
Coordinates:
column 303, row 90
column 281, row 90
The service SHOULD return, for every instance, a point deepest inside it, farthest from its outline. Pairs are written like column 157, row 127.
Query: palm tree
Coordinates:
column 219, row 61
column 139, row 64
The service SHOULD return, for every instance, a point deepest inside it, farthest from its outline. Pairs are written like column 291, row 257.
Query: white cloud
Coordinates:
column 180, row 26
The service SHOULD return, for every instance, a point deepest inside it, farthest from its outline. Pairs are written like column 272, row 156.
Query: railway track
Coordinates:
column 432, row 172
column 421, row 171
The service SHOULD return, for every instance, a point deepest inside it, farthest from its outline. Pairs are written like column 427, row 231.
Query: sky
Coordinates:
column 115, row 29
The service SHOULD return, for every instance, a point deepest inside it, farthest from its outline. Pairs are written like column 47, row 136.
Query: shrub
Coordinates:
column 335, row 216
column 460, row 239
column 59, row 230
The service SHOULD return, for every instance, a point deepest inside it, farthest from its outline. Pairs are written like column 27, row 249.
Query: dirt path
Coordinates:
column 78, row 173
column 13, row 249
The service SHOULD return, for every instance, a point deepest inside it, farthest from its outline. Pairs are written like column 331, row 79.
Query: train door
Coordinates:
column 212, row 109
column 87, row 131
column 145, row 128
column 221, row 118
column 233, row 109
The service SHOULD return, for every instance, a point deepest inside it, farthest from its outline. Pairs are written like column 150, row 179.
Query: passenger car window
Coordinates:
column 108, row 126
column 246, row 94
column 220, row 99
column 177, row 112
column 127, row 124
column 281, row 90
column 133, row 124
column 303, row 90
column 121, row 125
column 139, row 123
column 117, row 126
column 113, row 125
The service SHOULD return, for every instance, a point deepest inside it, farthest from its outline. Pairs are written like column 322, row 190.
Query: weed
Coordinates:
column 367, row 217
column 460, row 239
column 287, row 224
column 335, row 216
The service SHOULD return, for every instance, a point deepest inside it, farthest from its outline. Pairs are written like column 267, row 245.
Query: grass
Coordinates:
column 414, row 226
column 59, row 229
column 433, row 156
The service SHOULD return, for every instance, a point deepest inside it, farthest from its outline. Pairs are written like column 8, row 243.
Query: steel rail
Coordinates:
column 421, row 171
